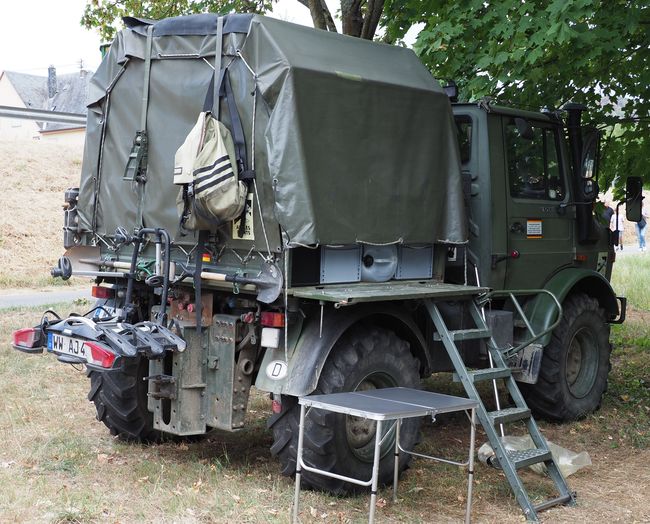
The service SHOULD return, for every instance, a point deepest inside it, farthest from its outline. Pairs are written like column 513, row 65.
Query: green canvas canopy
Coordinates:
column 351, row 141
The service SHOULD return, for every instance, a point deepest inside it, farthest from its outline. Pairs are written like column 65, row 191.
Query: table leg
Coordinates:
column 296, row 497
column 375, row 473
column 470, row 467
column 398, row 423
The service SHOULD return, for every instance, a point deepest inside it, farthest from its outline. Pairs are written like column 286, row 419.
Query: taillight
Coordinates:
column 99, row 355
column 102, row 292
column 27, row 338
column 272, row 319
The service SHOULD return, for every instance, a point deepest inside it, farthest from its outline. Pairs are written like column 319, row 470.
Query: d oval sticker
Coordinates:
column 277, row 369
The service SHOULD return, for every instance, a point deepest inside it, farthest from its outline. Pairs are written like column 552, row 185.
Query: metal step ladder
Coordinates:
column 509, row 461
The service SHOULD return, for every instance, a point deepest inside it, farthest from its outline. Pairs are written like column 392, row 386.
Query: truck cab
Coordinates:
column 522, row 205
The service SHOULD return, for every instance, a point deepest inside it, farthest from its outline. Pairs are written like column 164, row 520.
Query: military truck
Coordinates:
column 387, row 234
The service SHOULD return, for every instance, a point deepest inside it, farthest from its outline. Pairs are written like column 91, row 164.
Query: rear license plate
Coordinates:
column 63, row 345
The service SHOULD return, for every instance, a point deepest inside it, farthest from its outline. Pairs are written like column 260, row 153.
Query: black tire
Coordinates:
column 366, row 357
column 575, row 365
column 120, row 398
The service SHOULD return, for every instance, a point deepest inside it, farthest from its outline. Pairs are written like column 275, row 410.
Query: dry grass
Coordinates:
column 58, row 464
column 34, row 177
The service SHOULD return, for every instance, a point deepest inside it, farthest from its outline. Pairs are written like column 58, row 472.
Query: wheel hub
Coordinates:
column 360, row 432
column 581, row 363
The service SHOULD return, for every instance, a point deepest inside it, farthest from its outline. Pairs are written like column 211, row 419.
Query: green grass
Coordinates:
column 25, row 281
column 629, row 382
column 631, row 278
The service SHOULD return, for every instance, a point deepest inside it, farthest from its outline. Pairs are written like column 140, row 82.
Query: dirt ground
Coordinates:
column 60, row 465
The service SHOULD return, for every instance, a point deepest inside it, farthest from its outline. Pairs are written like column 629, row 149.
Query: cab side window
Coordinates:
column 533, row 163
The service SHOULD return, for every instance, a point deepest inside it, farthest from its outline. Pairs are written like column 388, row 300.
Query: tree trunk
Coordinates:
column 320, row 14
column 371, row 20
column 351, row 17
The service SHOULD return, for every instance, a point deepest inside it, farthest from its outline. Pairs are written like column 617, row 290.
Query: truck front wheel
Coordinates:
column 120, row 398
column 575, row 365
column 366, row 357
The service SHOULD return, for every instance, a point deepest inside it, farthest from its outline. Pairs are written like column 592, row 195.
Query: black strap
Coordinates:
column 245, row 174
column 208, row 103
column 198, row 266
column 236, row 126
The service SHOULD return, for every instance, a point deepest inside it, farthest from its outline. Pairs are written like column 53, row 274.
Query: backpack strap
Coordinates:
column 237, row 129
column 209, row 106
column 245, row 175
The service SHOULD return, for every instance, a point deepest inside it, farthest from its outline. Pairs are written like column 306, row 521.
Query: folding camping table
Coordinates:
column 382, row 405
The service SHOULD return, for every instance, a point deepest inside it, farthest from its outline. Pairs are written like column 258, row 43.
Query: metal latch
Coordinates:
column 136, row 165
column 163, row 386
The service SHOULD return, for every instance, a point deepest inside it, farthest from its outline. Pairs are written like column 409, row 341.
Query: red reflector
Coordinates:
column 103, row 292
column 99, row 355
column 276, row 406
column 27, row 338
column 581, row 258
column 271, row 319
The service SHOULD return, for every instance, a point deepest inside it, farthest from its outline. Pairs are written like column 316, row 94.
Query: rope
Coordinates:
column 257, row 195
column 400, row 240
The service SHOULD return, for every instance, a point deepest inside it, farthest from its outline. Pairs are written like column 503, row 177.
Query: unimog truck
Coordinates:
column 386, row 234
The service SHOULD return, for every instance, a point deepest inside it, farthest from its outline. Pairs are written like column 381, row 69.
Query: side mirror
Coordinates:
column 451, row 90
column 633, row 198
column 589, row 165
column 590, row 155
column 524, row 128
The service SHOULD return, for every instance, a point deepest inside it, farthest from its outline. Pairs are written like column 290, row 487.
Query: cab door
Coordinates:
column 539, row 227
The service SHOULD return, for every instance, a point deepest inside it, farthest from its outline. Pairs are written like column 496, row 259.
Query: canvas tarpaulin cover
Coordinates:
column 353, row 140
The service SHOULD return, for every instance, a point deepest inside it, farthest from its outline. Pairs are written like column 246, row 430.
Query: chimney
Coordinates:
column 51, row 82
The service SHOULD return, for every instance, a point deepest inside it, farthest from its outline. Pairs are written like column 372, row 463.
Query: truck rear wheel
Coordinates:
column 364, row 358
column 575, row 365
column 120, row 398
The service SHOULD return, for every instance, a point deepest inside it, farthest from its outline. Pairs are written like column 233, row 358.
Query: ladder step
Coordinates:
column 466, row 334
column 513, row 460
column 554, row 502
column 489, row 374
column 508, row 415
column 528, row 457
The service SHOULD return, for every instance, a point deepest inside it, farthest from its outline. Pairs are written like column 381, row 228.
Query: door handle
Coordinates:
column 496, row 258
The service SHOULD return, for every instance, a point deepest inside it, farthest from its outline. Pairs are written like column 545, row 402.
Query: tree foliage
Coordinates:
column 530, row 53
column 543, row 53
column 359, row 18
column 105, row 15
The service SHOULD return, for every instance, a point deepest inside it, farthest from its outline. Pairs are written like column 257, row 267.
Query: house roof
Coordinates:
column 70, row 97
column 31, row 89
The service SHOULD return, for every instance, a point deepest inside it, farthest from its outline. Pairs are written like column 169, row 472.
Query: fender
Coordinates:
column 312, row 348
column 571, row 280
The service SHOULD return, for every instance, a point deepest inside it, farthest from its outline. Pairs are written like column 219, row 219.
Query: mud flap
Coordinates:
column 528, row 363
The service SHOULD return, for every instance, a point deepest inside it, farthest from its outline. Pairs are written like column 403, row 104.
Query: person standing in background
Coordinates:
column 641, row 226
column 617, row 224
column 608, row 212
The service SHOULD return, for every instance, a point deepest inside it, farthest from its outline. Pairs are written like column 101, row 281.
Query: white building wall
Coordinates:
column 13, row 128
column 74, row 137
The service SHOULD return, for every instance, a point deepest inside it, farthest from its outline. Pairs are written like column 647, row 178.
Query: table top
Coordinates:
column 389, row 403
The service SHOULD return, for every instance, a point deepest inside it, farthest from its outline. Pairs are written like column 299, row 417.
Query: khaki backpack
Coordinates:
column 206, row 168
